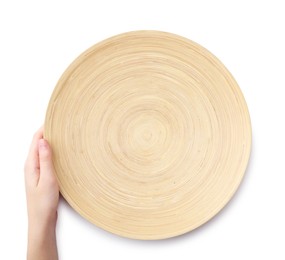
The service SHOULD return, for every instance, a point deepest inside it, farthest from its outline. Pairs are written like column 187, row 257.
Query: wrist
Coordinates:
column 42, row 226
column 39, row 235
column 42, row 239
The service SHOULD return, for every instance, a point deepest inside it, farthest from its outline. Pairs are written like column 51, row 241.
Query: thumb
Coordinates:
column 45, row 158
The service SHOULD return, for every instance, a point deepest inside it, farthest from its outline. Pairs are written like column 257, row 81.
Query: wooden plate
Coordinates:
column 150, row 133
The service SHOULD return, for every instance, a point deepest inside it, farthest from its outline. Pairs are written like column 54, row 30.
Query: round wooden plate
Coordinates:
column 150, row 133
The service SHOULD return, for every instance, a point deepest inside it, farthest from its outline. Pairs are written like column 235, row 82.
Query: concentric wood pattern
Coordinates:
column 150, row 133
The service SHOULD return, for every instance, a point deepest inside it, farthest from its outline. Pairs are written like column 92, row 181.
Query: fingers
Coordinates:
column 32, row 162
column 32, row 171
column 45, row 162
column 39, row 166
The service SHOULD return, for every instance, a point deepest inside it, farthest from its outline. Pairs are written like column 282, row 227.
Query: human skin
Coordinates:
column 42, row 194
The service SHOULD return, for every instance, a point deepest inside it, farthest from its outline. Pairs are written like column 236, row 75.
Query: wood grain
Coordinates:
column 150, row 133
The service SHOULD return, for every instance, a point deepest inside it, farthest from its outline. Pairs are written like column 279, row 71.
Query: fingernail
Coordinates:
column 42, row 144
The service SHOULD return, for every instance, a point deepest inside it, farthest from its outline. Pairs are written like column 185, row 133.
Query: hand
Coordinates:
column 42, row 199
column 41, row 185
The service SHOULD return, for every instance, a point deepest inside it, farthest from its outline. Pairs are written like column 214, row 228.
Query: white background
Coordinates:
column 39, row 39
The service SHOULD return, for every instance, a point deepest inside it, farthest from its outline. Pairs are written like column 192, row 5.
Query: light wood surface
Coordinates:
column 150, row 133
